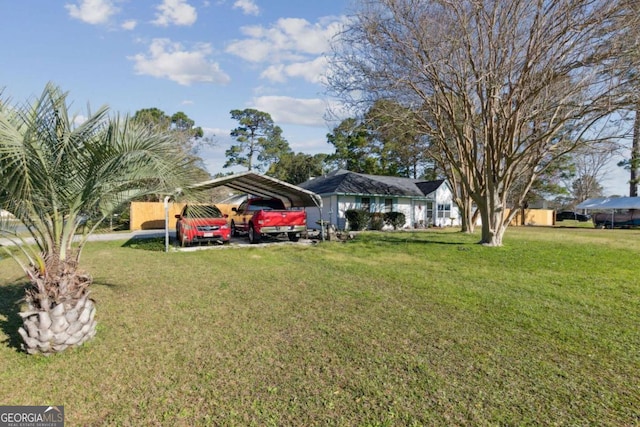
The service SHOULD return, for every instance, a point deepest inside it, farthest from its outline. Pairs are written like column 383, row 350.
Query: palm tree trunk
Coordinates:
column 59, row 312
column 48, row 331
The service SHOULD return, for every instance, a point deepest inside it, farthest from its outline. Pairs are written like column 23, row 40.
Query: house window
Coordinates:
column 388, row 205
column 365, row 204
column 444, row 210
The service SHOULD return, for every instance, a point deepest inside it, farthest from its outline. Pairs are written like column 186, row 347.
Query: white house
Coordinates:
column 424, row 203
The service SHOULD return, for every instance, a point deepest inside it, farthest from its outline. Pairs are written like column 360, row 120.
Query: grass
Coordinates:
column 403, row 329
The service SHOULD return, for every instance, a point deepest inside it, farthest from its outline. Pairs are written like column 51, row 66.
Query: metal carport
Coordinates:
column 257, row 185
column 610, row 203
column 264, row 186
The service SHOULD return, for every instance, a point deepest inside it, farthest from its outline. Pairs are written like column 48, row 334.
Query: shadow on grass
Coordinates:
column 100, row 281
column 154, row 244
column 10, row 299
column 417, row 238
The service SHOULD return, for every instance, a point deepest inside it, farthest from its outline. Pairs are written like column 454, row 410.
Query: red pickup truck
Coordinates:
column 262, row 216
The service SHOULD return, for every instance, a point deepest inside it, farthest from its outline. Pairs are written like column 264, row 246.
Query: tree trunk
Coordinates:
column 466, row 215
column 59, row 312
column 493, row 220
column 634, row 162
column 49, row 331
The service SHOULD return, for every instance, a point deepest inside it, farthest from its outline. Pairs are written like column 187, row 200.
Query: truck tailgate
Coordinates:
column 282, row 218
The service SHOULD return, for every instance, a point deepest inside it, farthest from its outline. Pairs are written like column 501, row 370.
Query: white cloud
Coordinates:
column 249, row 7
column 292, row 48
column 170, row 60
column 283, row 41
column 297, row 111
column 129, row 25
column 92, row 11
column 311, row 71
column 175, row 12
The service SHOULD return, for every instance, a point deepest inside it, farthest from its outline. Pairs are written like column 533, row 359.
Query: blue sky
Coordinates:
column 201, row 57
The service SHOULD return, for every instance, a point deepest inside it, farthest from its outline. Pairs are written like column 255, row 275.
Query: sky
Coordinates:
column 202, row 57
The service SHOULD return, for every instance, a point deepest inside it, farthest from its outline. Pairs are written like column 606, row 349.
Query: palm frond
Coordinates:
column 52, row 169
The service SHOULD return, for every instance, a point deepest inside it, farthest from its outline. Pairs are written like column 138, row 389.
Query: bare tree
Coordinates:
column 497, row 82
column 589, row 164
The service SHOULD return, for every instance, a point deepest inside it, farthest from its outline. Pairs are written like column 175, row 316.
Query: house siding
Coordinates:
column 419, row 213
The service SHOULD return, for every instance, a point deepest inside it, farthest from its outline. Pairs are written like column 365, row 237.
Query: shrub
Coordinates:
column 357, row 219
column 377, row 221
column 395, row 219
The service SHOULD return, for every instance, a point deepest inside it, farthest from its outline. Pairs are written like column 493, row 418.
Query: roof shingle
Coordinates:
column 346, row 182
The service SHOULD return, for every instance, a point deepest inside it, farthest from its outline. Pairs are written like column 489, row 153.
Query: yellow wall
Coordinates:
column 534, row 217
column 150, row 215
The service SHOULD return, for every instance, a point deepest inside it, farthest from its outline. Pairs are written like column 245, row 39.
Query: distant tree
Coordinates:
column 260, row 141
column 385, row 141
column 297, row 168
column 353, row 149
column 396, row 140
column 273, row 148
column 187, row 135
column 586, row 187
column 588, row 164
column 190, row 136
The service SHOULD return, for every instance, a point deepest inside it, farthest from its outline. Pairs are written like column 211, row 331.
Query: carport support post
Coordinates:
column 322, row 236
column 166, row 223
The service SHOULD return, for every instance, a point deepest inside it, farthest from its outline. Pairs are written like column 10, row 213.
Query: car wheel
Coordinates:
column 294, row 237
column 253, row 236
column 234, row 231
column 183, row 241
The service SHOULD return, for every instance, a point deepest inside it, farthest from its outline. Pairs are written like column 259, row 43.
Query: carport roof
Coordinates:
column 611, row 203
column 264, row 186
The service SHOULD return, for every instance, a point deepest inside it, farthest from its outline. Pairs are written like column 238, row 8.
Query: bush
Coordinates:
column 395, row 219
column 357, row 219
column 377, row 221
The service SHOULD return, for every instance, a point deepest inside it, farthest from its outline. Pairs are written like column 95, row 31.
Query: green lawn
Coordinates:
column 397, row 329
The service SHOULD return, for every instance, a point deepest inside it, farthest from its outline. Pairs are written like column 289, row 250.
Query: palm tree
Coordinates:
column 53, row 171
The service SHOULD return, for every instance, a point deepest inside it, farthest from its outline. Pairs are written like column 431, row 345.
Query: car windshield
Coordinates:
column 202, row 212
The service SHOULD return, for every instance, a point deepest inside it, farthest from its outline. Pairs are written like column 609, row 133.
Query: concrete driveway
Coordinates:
column 236, row 242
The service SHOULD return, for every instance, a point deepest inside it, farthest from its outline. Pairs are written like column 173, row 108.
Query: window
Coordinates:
column 444, row 210
column 365, row 204
column 388, row 205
